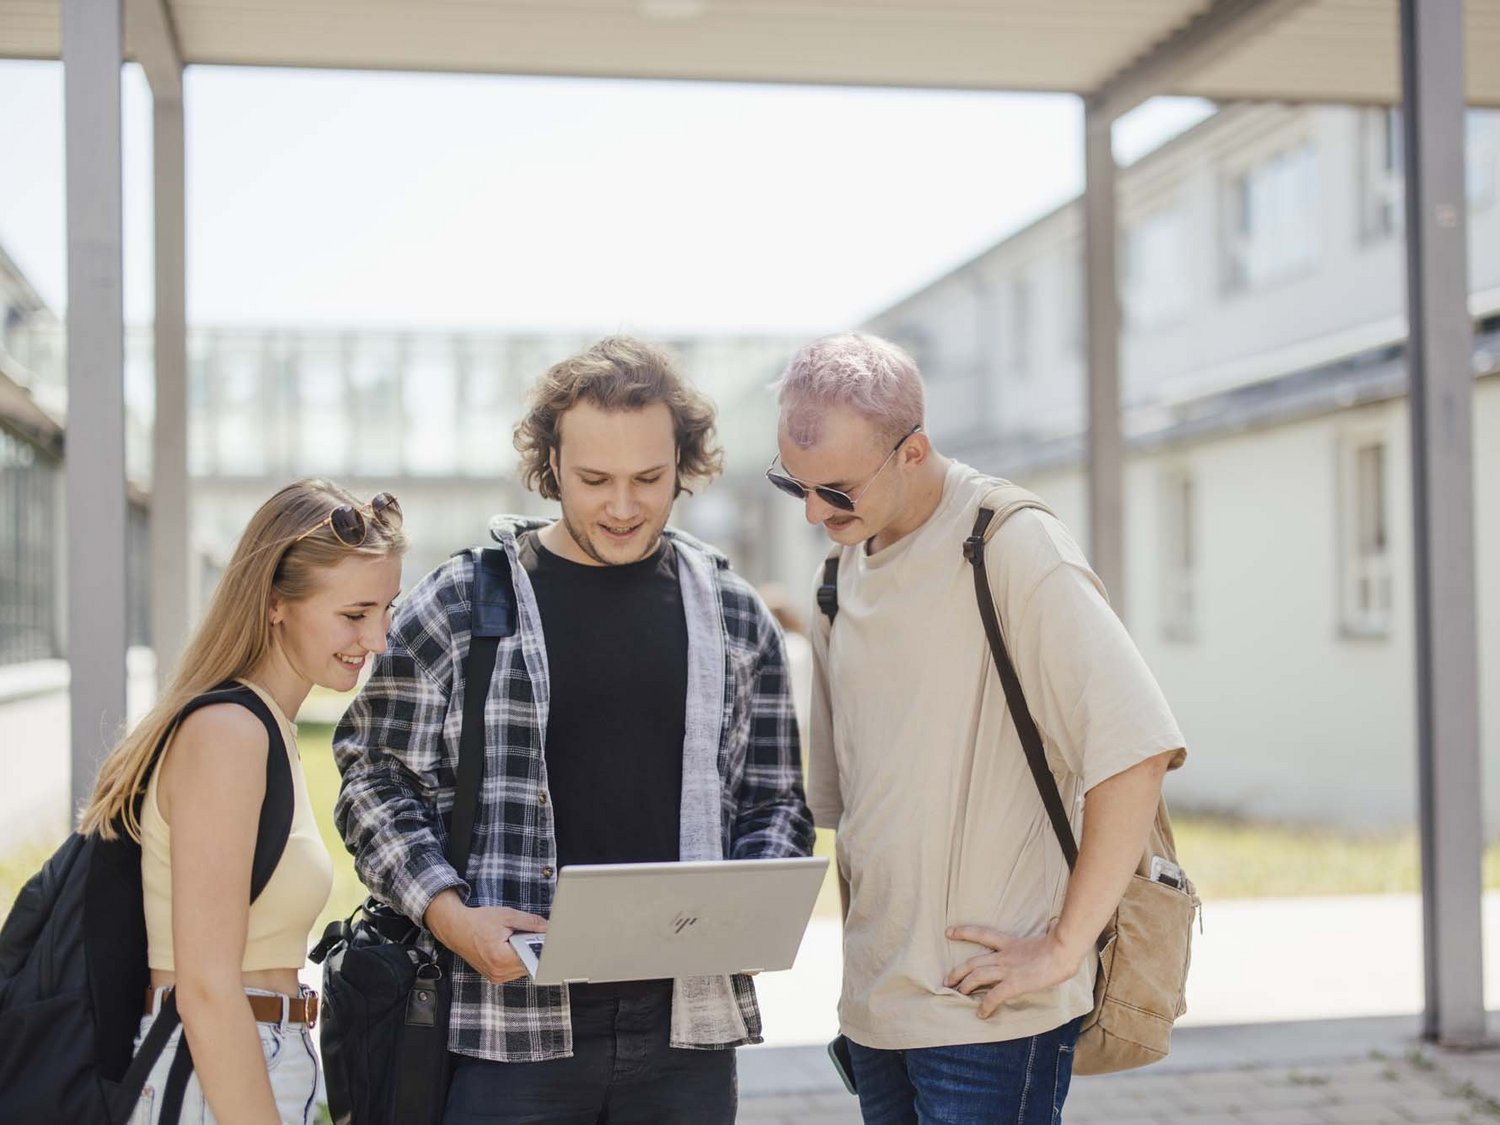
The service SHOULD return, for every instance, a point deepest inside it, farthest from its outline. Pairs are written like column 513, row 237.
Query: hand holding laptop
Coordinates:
column 668, row 920
column 481, row 934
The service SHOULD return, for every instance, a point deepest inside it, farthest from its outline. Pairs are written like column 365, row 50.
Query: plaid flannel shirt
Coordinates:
column 397, row 748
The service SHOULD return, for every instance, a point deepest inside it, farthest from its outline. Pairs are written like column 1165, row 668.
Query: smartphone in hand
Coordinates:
column 838, row 1051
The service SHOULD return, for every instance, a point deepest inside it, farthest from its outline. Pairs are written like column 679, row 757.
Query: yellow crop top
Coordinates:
column 283, row 915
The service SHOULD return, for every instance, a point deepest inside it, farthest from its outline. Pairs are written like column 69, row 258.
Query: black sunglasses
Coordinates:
column 349, row 525
column 831, row 496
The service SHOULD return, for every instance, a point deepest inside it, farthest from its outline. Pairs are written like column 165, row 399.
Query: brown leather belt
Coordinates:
column 268, row 1009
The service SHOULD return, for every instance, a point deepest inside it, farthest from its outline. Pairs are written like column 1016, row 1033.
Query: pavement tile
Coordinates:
column 1431, row 1111
column 1362, row 1114
column 1283, row 1115
column 1421, row 1087
column 783, row 1105
column 1294, row 1096
column 1481, row 1070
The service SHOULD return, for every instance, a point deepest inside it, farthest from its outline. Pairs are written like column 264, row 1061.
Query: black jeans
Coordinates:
column 622, row 1071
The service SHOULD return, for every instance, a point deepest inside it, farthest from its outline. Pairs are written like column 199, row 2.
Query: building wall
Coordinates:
column 1348, row 296
column 1294, row 708
column 425, row 415
column 1288, row 714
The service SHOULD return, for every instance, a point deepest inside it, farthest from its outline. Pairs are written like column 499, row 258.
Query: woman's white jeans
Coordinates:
column 290, row 1062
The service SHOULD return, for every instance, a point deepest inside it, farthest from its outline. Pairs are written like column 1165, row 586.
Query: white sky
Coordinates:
column 481, row 202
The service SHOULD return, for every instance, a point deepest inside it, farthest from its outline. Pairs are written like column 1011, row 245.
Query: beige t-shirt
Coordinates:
column 915, row 761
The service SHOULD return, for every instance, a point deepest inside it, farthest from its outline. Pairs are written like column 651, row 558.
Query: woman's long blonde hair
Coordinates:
column 235, row 634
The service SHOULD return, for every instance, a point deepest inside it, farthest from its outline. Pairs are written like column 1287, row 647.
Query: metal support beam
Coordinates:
column 1442, row 439
column 170, row 546
column 93, row 47
column 153, row 44
column 1226, row 24
column 1106, row 468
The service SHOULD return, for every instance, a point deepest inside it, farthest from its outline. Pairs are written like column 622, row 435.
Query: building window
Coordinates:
column 1271, row 220
column 1179, row 556
column 1073, row 313
column 1018, row 337
column 1482, row 134
column 1379, row 173
column 1365, row 551
column 29, row 516
column 1157, row 269
column 1381, row 146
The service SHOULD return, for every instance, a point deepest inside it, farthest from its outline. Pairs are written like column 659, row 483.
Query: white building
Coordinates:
column 1269, row 553
column 426, row 415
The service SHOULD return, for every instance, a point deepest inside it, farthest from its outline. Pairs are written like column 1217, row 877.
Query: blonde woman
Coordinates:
column 305, row 600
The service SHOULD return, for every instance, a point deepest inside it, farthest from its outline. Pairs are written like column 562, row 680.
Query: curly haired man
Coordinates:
column 641, row 712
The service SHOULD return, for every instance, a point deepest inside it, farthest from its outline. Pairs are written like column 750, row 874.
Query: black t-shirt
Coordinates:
column 616, row 640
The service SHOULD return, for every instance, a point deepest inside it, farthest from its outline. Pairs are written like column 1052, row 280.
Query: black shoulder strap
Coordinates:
column 276, row 808
column 828, row 592
column 123, row 1101
column 170, row 1109
column 1031, row 739
column 274, row 827
column 492, row 615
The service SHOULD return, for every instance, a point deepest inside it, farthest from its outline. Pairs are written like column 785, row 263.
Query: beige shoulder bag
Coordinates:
column 1144, row 952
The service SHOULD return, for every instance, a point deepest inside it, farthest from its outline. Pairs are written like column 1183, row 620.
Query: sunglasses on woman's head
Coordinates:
column 833, row 497
column 349, row 525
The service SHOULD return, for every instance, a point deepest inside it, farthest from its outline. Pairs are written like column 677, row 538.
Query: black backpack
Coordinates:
column 383, row 1018
column 73, row 972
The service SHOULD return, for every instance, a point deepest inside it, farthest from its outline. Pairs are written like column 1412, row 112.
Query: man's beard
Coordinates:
column 586, row 545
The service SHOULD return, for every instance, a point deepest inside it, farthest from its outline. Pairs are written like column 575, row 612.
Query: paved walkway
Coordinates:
column 1288, row 1024
column 1350, row 1071
column 1256, row 961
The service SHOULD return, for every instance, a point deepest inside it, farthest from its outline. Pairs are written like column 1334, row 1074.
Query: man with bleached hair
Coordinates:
column 968, row 948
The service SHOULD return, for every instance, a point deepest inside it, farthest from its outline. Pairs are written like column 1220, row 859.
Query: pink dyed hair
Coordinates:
column 873, row 377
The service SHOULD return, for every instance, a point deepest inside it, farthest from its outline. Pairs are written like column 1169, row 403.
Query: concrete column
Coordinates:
column 1106, row 466
column 170, row 546
column 93, row 44
column 1441, row 394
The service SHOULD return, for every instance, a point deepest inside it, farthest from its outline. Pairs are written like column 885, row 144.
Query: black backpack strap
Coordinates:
column 166, row 1021
column 1015, row 698
column 272, row 830
column 276, row 809
column 828, row 592
column 176, row 1085
column 492, row 616
column 421, row 1079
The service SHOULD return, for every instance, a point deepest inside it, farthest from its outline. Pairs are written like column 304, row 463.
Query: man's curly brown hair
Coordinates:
column 617, row 373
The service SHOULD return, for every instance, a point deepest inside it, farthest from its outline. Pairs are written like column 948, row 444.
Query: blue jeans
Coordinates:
column 623, row 1072
column 1015, row 1082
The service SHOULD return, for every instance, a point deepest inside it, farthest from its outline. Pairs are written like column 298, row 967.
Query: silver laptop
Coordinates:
column 649, row 921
